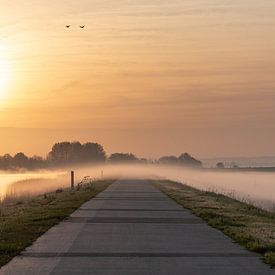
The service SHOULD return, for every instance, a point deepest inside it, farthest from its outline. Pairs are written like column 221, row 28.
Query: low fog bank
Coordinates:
column 252, row 187
column 242, row 162
column 13, row 185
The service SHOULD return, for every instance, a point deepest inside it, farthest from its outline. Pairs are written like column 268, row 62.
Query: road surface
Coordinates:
column 132, row 228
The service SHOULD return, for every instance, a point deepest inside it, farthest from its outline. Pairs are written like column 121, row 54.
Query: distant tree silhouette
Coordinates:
column 93, row 152
column 60, row 152
column 234, row 165
column 20, row 160
column 188, row 160
column 73, row 152
column 37, row 162
column 169, row 160
column 220, row 165
column 184, row 159
column 63, row 153
column 6, row 161
column 123, row 157
column 76, row 152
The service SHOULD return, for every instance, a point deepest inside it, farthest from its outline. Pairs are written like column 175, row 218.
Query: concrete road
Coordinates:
column 132, row 228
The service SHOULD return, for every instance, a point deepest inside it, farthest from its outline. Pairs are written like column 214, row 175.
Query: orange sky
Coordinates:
column 151, row 77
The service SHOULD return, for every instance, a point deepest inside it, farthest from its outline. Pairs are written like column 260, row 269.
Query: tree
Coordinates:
column 37, row 162
column 60, row 152
column 220, row 165
column 6, row 161
column 21, row 160
column 123, row 157
column 169, row 160
column 234, row 165
column 93, row 152
column 74, row 152
column 188, row 160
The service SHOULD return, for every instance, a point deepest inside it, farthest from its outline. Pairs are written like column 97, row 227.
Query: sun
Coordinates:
column 4, row 74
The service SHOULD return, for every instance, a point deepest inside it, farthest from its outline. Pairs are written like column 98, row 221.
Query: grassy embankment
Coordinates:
column 23, row 221
column 248, row 225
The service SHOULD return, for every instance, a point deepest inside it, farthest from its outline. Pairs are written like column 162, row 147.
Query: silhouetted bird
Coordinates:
column 82, row 27
column 68, row 26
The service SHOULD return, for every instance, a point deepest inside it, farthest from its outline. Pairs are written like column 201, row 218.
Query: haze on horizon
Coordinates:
column 149, row 77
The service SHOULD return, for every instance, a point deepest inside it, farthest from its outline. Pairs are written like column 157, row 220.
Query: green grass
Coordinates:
column 248, row 225
column 23, row 221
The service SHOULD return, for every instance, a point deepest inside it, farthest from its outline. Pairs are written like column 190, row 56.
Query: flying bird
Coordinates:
column 82, row 27
column 68, row 26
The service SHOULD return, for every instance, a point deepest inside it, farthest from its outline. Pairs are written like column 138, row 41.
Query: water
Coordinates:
column 254, row 187
column 29, row 184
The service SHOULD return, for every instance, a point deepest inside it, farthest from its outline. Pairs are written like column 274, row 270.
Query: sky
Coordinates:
column 151, row 77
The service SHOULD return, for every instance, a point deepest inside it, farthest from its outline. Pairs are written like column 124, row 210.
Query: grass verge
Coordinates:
column 248, row 225
column 22, row 222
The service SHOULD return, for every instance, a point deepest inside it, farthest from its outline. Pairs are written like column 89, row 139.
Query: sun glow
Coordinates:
column 4, row 73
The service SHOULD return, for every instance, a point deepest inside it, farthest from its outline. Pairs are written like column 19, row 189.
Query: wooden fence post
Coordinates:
column 72, row 181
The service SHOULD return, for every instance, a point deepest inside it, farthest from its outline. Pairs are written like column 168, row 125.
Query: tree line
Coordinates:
column 65, row 153
column 184, row 159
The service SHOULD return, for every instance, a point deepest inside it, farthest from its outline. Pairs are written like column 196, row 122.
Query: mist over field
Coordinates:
column 253, row 187
column 137, row 129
